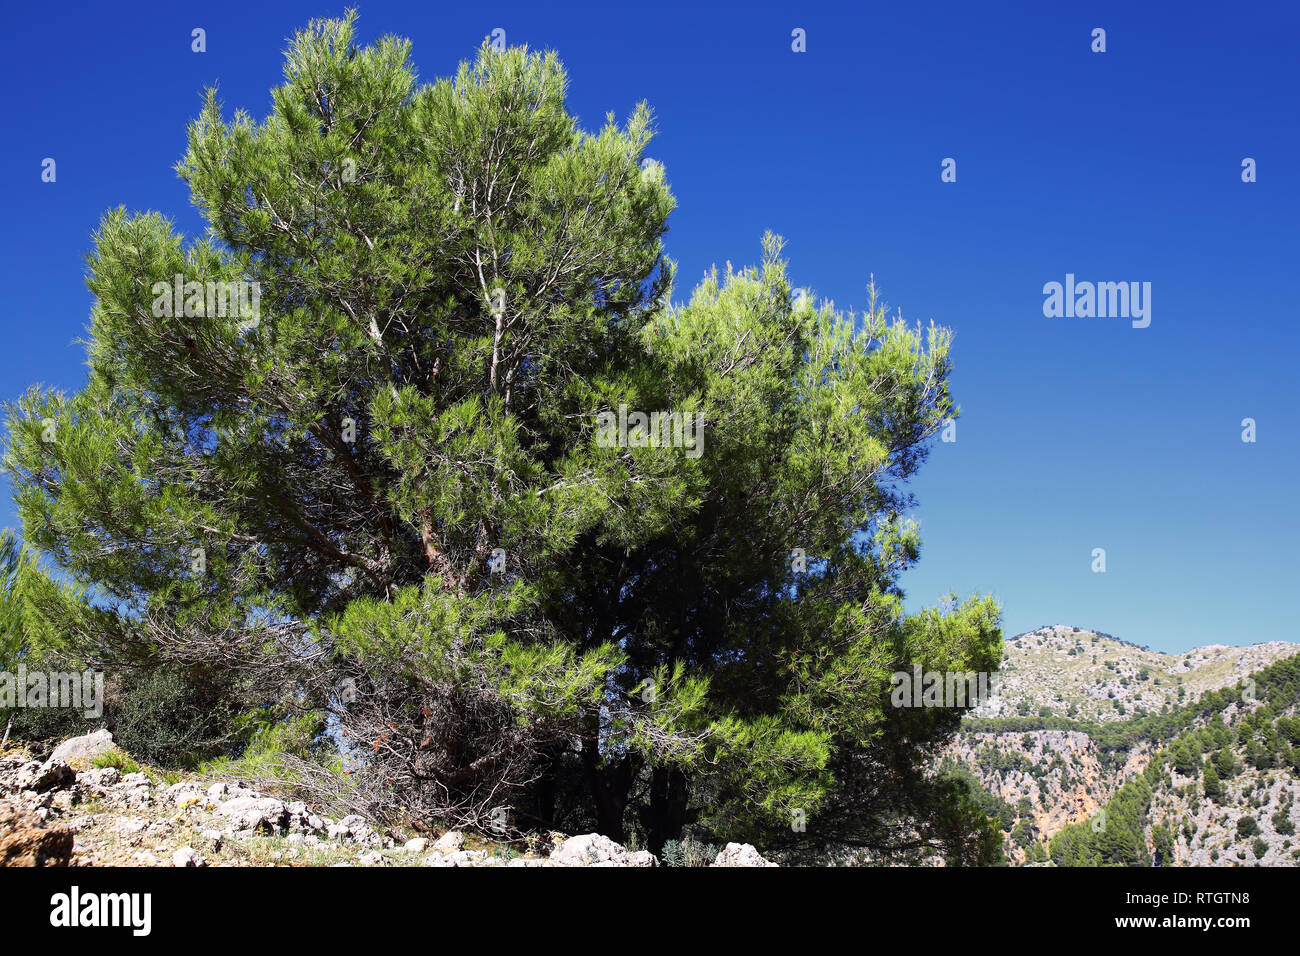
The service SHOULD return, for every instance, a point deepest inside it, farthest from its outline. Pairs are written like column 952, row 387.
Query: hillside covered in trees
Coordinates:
column 1212, row 781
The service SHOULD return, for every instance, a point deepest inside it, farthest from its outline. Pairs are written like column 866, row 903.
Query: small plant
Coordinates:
column 689, row 852
column 119, row 760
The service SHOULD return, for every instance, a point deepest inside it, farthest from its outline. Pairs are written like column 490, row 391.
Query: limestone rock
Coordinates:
column 186, row 856
column 740, row 854
column 450, row 842
column 86, row 748
column 589, row 849
column 44, row 777
column 25, row 840
column 264, row 814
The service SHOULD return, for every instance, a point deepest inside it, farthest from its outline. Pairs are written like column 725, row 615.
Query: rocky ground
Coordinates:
column 54, row 815
column 1208, row 833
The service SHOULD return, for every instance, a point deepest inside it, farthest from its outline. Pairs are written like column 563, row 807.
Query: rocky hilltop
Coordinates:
column 1064, row 671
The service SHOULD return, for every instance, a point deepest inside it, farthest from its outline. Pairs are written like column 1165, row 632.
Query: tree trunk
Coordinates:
column 543, row 793
column 609, row 785
column 665, row 817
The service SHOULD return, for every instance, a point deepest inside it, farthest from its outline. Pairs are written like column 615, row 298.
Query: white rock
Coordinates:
column 88, row 746
column 466, row 858
column 450, row 842
column 254, row 813
column 132, row 825
column 105, row 777
column 589, row 849
column 740, row 854
column 418, row 845
column 642, row 858
column 186, row 856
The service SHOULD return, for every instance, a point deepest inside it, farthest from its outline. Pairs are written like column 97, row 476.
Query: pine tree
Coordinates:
column 1213, row 786
column 364, row 446
column 1162, row 841
column 1226, row 763
column 1181, row 759
column 12, row 560
column 12, row 642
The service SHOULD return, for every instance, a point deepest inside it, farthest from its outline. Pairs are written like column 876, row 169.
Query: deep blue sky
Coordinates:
column 1122, row 166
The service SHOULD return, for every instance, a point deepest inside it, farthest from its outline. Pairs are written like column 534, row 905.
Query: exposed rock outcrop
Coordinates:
column 28, row 840
column 740, row 854
column 85, row 748
column 53, row 815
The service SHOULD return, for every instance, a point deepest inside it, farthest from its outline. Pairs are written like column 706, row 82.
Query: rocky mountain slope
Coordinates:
column 1083, row 720
column 1065, row 671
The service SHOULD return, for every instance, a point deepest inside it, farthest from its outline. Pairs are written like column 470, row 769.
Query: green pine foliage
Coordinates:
column 12, row 559
column 1211, row 783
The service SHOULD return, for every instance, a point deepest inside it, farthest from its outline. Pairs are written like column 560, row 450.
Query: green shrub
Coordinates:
column 269, row 739
column 688, row 852
column 118, row 759
column 175, row 717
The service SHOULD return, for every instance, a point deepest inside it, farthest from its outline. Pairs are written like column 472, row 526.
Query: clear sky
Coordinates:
column 1123, row 166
